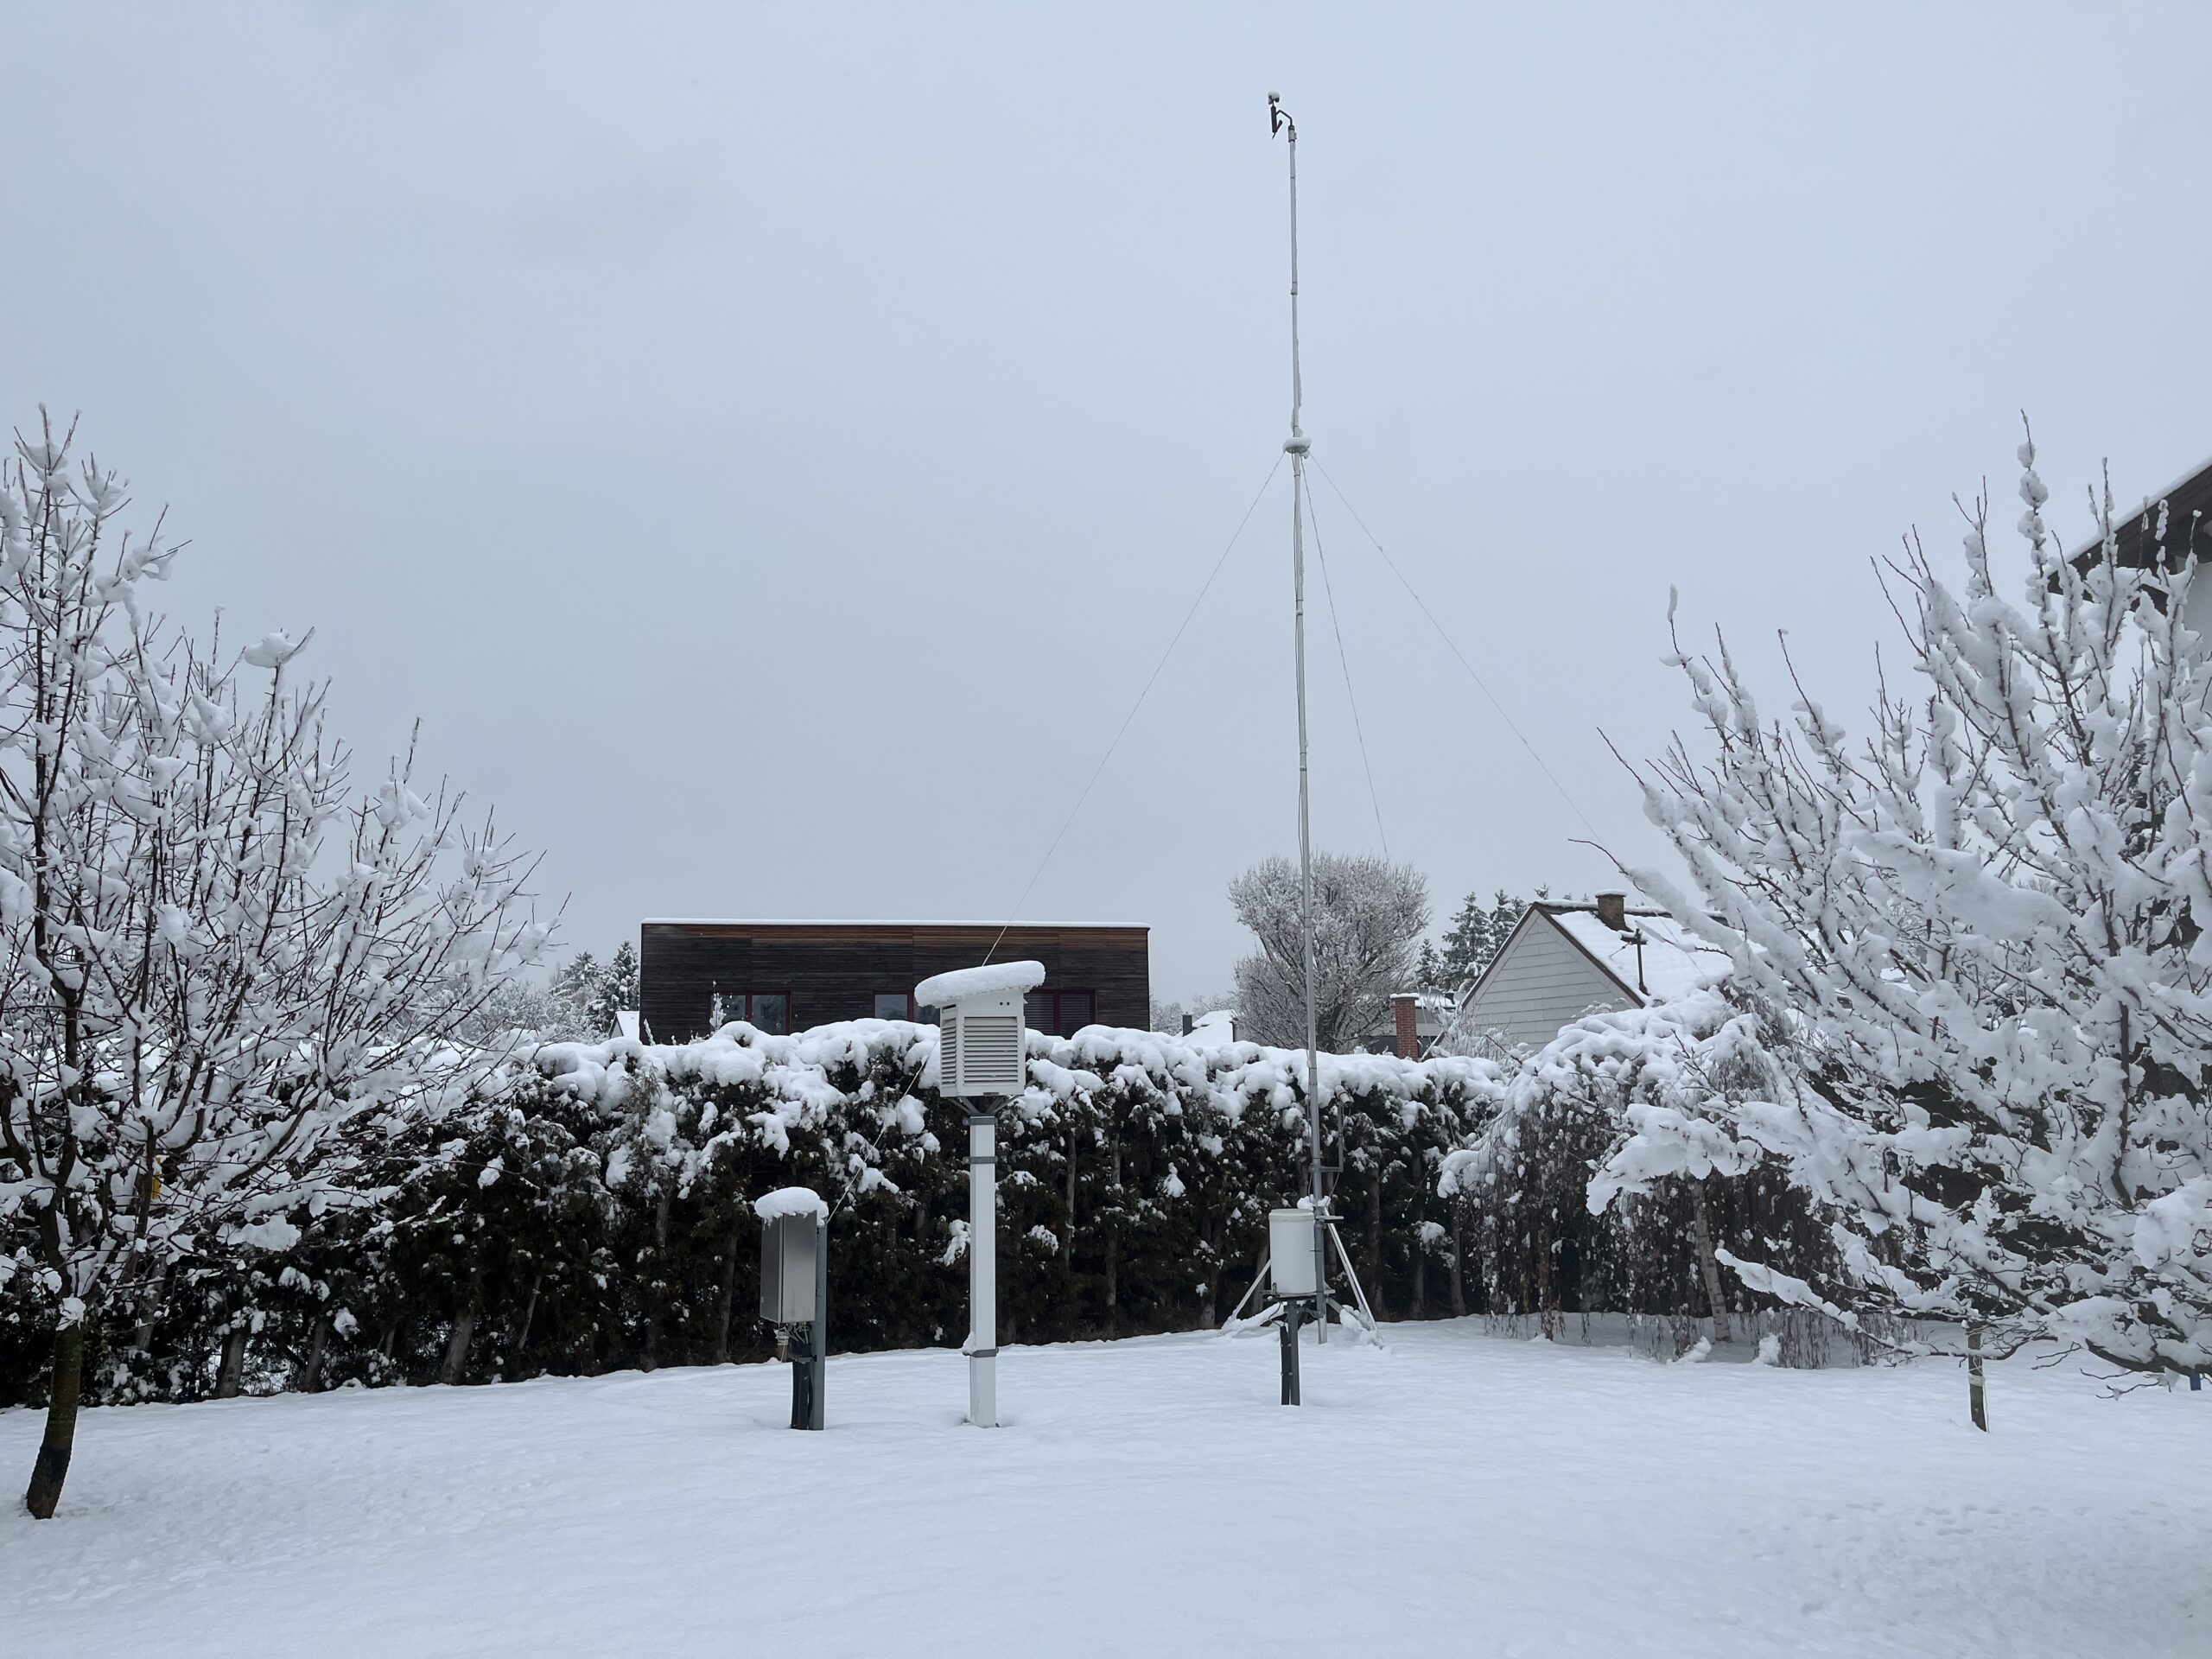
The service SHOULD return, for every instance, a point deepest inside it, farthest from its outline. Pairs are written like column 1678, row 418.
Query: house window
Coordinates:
column 771, row 1011
column 891, row 1005
column 1059, row 1014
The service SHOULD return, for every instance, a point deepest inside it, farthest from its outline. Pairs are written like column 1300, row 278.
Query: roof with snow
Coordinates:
column 2186, row 505
column 1655, row 958
column 1564, row 962
column 1212, row 1030
column 994, row 979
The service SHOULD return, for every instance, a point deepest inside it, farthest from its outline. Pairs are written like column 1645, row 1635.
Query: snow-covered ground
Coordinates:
column 1458, row 1493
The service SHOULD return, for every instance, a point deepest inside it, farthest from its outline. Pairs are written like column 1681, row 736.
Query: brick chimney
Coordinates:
column 1612, row 910
column 1405, row 1015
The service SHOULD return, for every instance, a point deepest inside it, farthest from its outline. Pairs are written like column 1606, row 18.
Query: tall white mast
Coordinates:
column 1296, row 446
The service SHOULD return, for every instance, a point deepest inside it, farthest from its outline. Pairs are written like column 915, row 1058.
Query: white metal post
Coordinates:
column 982, row 1270
column 1298, row 445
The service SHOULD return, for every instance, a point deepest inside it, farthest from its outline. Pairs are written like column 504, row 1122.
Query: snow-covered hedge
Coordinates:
column 594, row 1211
column 1603, row 1184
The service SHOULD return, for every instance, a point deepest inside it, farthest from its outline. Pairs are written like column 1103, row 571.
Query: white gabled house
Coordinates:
column 1564, row 961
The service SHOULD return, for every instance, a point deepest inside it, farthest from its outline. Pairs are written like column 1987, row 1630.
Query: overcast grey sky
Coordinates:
column 724, row 426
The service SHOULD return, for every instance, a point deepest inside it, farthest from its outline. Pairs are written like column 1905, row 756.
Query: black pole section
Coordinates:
column 802, row 1375
column 818, row 1345
column 1291, row 1312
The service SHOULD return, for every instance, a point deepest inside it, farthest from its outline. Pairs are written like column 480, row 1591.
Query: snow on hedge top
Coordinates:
column 790, row 1201
column 788, row 1088
column 991, row 980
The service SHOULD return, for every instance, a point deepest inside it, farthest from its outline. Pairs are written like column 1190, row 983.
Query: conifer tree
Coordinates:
column 613, row 991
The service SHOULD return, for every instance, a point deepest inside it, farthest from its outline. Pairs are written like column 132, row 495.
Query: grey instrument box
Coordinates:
column 788, row 1269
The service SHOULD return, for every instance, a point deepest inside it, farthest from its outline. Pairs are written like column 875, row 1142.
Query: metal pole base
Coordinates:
column 810, row 1375
column 1293, row 1314
column 802, row 1376
column 983, row 1389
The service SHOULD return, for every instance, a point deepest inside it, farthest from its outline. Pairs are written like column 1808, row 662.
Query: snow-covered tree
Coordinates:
column 213, row 953
column 1989, row 921
column 1478, row 933
column 614, row 992
column 1369, row 915
column 577, row 1003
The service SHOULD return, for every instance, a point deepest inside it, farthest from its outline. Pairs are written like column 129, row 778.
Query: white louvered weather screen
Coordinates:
column 990, row 1055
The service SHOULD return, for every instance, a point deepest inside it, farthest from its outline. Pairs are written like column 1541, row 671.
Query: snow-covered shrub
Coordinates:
column 1577, row 1205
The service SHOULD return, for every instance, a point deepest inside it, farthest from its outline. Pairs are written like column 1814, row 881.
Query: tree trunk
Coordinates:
column 1708, row 1265
column 726, row 1298
column 1209, row 1298
column 149, row 1302
column 52, row 1465
column 229, row 1376
column 1421, row 1275
column 528, row 1317
column 464, row 1330
column 1114, row 1250
column 1546, row 1309
column 310, row 1372
column 1374, row 1239
column 1069, row 1247
column 1976, row 1402
column 655, row 1282
column 1459, row 1260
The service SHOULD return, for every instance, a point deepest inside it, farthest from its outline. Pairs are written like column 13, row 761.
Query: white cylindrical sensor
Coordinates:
column 1290, row 1252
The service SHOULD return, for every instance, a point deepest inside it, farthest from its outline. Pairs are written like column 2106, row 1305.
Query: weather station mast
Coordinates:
column 1297, row 447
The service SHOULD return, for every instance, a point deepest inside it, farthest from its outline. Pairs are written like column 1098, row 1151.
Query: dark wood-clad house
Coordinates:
column 791, row 975
column 2170, row 529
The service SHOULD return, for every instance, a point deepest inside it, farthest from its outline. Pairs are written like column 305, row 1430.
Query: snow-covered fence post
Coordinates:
column 981, row 1057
